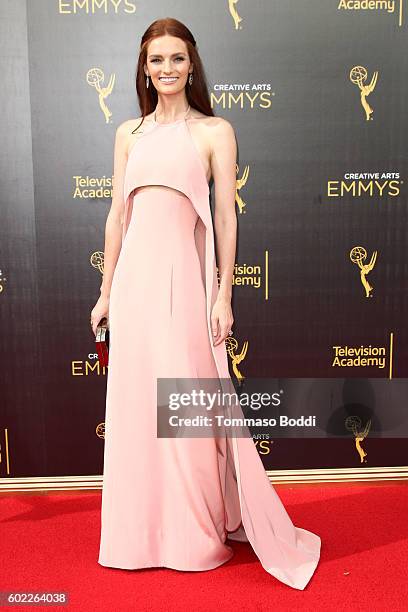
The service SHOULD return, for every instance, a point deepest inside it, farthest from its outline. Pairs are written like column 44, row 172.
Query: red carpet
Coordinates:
column 50, row 542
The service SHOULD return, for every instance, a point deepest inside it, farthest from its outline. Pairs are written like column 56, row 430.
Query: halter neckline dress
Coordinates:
column 173, row 502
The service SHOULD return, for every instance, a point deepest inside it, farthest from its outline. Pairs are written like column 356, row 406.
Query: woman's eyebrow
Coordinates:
column 172, row 55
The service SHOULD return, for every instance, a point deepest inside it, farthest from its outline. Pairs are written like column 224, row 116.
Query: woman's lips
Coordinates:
column 174, row 79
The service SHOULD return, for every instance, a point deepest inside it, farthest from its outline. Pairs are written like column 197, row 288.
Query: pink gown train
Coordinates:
column 173, row 502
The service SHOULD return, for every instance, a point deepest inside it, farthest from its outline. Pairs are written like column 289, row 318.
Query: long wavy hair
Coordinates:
column 196, row 93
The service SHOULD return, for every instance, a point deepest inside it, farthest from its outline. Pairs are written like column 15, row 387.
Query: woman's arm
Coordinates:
column 114, row 221
column 113, row 226
column 223, row 167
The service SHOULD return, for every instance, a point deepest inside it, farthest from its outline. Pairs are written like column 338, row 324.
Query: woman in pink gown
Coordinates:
column 174, row 502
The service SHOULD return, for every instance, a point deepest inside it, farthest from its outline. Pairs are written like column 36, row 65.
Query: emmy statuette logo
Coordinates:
column 100, row 430
column 358, row 255
column 4, row 452
column 234, row 14
column 241, row 182
column 353, row 424
column 236, row 358
column 95, row 77
column 358, row 76
column 97, row 260
column 2, row 281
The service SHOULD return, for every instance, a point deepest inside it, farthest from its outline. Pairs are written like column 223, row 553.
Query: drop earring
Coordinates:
column 190, row 78
column 147, row 81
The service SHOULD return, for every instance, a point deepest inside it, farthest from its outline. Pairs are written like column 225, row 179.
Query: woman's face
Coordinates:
column 167, row 56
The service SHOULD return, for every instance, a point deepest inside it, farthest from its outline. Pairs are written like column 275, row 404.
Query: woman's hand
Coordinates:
column 221, row 320
column 99, row 311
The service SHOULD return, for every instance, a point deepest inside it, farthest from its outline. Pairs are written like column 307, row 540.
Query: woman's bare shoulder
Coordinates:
column 223, row 126
column 128, row 131
column 128, row 126
column 204, row 119
column 215, row 124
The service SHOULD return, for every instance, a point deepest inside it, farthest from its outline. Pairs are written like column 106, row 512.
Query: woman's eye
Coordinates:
column 156, row 59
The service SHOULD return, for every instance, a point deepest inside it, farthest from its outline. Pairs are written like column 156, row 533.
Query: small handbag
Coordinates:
column 102, row 341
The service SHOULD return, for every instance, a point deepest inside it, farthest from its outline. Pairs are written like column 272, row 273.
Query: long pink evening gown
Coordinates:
column 173, row 502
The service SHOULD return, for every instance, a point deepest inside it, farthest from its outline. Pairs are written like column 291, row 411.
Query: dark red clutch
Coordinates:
column 102, row 341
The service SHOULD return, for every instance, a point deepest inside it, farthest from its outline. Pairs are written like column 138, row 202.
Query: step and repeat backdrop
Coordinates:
column 316, row 92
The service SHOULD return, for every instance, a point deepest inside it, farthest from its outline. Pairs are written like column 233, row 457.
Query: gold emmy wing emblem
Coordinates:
column 100, row 430
column 353, row 423
column 237, row 19
column 95, row 77
column 358, row 75
column 358, row 254
column 4, row 453
column 240, row 183
column 97, row 260
column 236, row 358
column 2, row 279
